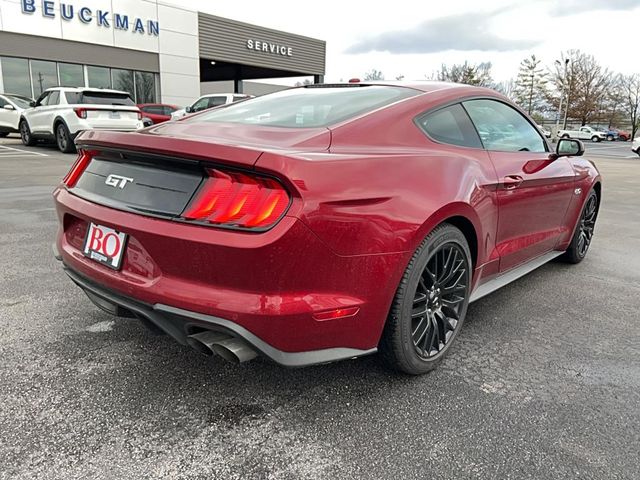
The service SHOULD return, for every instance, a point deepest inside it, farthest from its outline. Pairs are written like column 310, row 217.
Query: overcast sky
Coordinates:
column 413, row 38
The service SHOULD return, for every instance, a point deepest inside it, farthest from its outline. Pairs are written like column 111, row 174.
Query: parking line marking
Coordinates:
column 6, row 151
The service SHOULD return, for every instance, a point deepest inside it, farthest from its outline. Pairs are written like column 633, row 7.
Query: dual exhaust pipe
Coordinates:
column 230, row 348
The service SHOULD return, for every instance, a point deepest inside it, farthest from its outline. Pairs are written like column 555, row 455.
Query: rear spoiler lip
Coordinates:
column 179, row 149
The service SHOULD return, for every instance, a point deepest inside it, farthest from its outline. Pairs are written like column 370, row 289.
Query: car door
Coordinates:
column 50, row 111
column 533, row 191
column 35, row 116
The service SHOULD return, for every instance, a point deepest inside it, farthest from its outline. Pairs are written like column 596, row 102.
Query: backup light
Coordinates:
column 238, row 200
column 78, row 168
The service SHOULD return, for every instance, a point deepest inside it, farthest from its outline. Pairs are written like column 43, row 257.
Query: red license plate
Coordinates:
column 105, row 245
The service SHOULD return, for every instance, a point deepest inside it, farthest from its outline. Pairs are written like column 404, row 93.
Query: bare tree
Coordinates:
column 471, row 74
column 531, row 85
column 506, row 88
column 630, row 95
column 585, row 83
column 373, row 75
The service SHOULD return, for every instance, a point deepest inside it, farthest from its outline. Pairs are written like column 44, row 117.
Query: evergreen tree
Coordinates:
column 531, row 85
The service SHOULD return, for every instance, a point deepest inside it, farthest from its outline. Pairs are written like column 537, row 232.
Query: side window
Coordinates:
column 502, row 128
column 167, row 110
column 200, row 105
column 54, row 98
column 3, row 102
column 450, row 125
column 42, row 99
column 217, row 101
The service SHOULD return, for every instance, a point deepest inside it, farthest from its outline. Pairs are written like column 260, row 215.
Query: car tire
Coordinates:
column 583, row 234
column 25, row 134
column 610, row 138
column 595, row 139
column 424, row 320
column 63, row 139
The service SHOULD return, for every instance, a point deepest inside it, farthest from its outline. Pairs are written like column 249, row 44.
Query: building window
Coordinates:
column 123, row 80
column 43, row 75
column 98, row 77
column 145, row 87
column 15, row 76
column 71, row 75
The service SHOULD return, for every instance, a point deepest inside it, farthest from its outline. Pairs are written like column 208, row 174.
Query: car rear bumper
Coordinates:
column 178, row 323
column 266, row 288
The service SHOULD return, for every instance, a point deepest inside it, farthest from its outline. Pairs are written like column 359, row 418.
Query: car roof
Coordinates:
column 422, row 85
column 87, row 89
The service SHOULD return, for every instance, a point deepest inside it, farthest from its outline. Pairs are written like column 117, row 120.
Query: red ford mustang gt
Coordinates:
column 324, row 222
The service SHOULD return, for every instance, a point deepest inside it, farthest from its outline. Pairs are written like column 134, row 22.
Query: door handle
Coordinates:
column 512, row 181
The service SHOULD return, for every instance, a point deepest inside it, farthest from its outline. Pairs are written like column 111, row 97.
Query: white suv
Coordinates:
column 11, row 108
column 60, row 113
column 209, row 101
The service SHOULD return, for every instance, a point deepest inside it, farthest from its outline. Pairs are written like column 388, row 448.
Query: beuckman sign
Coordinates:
column 101, row 18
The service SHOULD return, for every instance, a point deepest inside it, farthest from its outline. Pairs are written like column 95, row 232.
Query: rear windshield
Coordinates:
column 98, row 98
column 22, row 102
column 308, row 107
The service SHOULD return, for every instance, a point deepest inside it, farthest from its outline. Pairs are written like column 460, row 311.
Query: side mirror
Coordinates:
column 8, row 106
column 188, row 109
column 569, row 147
column 32, row 103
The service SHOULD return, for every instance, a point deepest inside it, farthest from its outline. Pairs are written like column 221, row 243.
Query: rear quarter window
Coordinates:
column 450, row 125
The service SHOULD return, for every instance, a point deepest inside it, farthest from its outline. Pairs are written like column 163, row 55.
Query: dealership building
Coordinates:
column 159, row 52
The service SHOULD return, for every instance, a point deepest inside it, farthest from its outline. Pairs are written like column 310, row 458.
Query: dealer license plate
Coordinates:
column 105, row 245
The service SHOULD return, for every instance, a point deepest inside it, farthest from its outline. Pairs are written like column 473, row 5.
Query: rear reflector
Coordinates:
column 238, row 200
column 84, row 158
column 338, row 313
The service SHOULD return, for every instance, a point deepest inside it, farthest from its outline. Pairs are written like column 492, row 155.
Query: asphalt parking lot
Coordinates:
column 543, row 382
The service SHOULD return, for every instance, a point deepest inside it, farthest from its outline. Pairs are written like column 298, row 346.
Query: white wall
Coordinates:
column 176, row 44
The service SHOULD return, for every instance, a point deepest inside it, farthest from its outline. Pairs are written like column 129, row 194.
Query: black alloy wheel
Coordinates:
column 438, row 299
column 587, row 224
column 583, row 234
column 430, row 304
column 63, row 139
column 25, row 134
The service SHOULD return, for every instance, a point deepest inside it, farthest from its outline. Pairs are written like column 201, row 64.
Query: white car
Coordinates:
column 11, row 108
column 635, row 146
column 209, row 101
column 546, row 132
column 60, row 113
column 584, row 133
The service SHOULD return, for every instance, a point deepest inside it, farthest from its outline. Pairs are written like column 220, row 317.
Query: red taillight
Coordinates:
column 237, row 199
column 84, row 158
column 81, row 112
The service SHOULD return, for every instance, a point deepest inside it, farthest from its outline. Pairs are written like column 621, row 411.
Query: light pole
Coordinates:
column 564, row 82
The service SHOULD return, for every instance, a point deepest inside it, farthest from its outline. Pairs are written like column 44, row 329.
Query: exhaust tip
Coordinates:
column 234, row 350
column 203, row 342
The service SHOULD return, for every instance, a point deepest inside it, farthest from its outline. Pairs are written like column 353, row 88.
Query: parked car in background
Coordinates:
column 60, row 113
column 157, row 112
column 209, row 101
column 615, row 134
column 239, row 232
column 11, row 107
column 635, row 146
column 584, row 133
column 545, row 131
